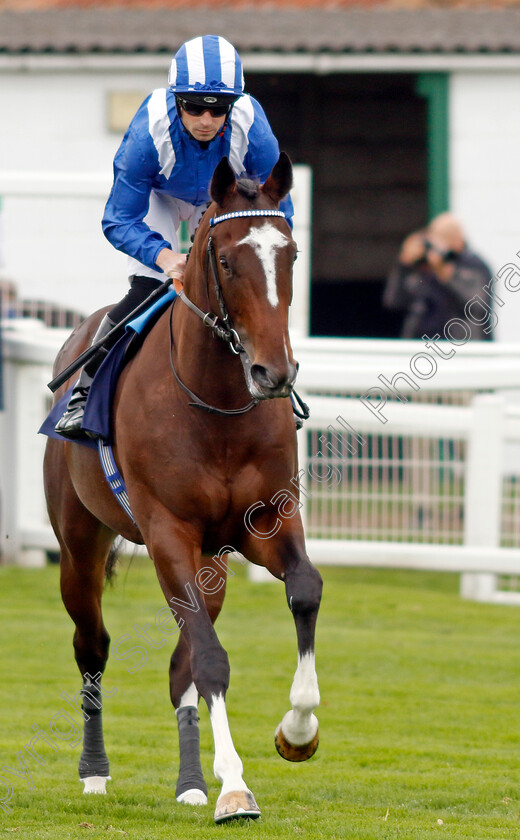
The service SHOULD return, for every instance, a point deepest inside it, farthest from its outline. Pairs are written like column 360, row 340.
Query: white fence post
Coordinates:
column 21, row 457
column 302, row 199
column 483, row 489
column 26, row 532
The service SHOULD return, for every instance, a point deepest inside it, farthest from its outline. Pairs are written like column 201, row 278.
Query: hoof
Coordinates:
column 95, row 784
column 193, row 797
column 236, row 805
column 292, row 753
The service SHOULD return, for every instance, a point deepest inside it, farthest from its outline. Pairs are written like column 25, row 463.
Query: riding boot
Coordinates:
column 69, row 425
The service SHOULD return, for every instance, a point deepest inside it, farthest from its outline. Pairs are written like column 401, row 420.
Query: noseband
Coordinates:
column 221, row 326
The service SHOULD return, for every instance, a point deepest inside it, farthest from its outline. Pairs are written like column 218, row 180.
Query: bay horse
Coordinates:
column 205, row 441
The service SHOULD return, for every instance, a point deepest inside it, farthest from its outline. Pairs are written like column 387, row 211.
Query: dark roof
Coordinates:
column 271, row 29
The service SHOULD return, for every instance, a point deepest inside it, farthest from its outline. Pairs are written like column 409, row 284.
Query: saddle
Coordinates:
column 97, row 417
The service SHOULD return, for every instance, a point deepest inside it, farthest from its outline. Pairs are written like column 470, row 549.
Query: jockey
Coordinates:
column 162, row 173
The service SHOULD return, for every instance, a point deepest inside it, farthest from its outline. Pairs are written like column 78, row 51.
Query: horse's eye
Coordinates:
column 224, row 263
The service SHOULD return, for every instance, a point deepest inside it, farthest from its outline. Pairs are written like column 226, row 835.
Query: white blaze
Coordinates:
column 265, row 241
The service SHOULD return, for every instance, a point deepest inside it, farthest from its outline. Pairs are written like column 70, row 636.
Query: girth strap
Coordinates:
column 114, row 477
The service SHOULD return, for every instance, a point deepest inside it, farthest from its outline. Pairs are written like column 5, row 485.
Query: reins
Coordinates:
column 196, row 401
column 221, row 327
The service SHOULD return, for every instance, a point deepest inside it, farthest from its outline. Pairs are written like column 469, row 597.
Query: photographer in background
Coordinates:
column 435, row 276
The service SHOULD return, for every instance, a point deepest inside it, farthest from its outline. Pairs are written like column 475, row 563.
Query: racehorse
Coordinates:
column 205, row 441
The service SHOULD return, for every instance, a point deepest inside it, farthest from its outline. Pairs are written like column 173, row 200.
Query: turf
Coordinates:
column 419, row 717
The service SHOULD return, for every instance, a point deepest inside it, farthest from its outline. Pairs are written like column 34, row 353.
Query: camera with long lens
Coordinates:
column 445, row 256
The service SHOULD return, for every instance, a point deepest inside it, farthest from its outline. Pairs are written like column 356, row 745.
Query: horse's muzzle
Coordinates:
column 267, row 383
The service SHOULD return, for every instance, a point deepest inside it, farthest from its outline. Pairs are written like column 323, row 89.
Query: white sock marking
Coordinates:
column 300, row 724
column 305, row 695
column 95, row 784
column 227, row 766
column 193, row 797
column 190, row 697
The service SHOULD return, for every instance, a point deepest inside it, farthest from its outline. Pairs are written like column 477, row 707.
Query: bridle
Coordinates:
column 221, row 326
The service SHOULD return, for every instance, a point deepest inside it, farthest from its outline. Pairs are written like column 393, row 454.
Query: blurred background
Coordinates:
column 400, row 109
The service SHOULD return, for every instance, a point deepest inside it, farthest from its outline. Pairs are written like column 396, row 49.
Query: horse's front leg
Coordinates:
column 191, row 787
column 235, row 799
column 296, row 737
column 184, row 591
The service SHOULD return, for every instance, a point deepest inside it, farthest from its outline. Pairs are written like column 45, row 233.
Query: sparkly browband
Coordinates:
column 240, row 213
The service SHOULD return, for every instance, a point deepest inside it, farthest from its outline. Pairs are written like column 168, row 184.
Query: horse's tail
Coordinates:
column 112, row 560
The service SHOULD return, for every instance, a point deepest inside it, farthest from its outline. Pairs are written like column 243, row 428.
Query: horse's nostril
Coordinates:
column 261, row 376
column 271, row 380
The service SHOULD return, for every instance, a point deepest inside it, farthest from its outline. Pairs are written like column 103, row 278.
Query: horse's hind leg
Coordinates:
column 85, row 546
column 82, row 576
column 191, row 788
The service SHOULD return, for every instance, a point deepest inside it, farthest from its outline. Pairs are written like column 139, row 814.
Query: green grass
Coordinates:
column 420, row 722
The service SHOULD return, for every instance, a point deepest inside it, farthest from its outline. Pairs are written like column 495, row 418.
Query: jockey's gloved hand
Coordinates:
column 173, row 265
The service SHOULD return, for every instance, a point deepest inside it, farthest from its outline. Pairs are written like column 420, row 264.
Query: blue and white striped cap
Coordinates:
column 207, row 65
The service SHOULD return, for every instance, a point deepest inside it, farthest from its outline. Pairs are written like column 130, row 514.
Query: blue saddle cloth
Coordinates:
column 97, row 417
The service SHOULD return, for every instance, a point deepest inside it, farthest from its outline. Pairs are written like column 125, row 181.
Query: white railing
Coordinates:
column 486, row 425
column 334, row 374
column 375, row 386
column 29, row 349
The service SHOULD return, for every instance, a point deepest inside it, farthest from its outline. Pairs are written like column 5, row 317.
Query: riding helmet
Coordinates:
column 207, row 68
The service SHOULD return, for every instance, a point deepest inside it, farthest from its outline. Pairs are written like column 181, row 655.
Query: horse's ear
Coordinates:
column 223, row 182
column 280, row 180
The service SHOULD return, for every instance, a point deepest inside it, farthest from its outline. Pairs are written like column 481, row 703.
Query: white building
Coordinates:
column 400, row 114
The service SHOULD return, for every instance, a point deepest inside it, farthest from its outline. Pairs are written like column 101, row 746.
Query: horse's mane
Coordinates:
column 247, row 187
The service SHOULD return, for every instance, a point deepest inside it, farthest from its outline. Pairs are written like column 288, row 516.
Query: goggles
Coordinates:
column 197, row 110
